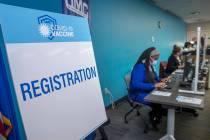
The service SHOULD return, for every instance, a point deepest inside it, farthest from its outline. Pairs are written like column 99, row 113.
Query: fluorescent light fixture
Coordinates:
column 195, row 13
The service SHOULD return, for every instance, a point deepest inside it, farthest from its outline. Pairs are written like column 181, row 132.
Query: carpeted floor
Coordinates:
column 187, row 126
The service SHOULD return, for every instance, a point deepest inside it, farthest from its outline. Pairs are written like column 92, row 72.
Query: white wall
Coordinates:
column 191, row 30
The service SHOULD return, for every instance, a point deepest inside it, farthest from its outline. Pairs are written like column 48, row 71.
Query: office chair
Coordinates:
column 163, row 65
column 134, row 104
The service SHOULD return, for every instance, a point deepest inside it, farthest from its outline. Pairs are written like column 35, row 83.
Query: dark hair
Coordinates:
column 145, row 56
column 187, row 44
column 176, row 49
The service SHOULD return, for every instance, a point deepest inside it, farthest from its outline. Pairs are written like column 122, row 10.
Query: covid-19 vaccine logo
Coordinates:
column 49, row 28
column 45, row 30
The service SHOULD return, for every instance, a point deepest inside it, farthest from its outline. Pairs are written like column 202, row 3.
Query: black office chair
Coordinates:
column 135, row 106
column 163, row 66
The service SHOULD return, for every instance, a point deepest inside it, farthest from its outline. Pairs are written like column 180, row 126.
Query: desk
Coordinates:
column 171, row 104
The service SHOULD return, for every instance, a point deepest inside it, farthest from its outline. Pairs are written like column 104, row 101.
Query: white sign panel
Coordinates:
column 54, row 73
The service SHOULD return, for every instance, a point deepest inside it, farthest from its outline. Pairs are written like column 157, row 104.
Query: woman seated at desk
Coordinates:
column 174, row 61
column 143, row 80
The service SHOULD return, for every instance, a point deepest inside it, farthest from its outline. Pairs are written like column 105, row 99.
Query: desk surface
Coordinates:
column 171, row 100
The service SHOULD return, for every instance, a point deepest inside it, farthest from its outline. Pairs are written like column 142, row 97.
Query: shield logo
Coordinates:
column 47, row 26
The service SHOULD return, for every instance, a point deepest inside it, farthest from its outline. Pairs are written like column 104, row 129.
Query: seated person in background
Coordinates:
column 174, row 61
column 188, row 45
column 143, row 80
column 188, row 48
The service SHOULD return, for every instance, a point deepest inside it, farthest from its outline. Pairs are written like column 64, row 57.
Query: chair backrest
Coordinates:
column 127, row 79
column 163, row 65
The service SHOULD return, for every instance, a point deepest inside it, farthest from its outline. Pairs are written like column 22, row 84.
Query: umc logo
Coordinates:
column 79, row 7
column 49, row 28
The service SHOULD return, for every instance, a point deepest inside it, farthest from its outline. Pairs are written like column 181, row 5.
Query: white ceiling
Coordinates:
column 184, row 8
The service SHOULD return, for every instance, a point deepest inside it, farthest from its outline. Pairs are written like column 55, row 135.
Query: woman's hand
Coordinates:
column 160, row 85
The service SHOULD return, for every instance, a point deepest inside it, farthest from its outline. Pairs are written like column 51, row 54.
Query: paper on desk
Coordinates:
column 190, row 100
column 161, row 93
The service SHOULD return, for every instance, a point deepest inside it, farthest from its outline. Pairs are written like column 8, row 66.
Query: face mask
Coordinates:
column 154, row 63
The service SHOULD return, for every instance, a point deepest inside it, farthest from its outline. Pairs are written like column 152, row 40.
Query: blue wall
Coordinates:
column 47, row 5
column 121, row 30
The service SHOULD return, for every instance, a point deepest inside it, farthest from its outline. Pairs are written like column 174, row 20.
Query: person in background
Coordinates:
column 194, row 41
column 188, row 45
column 144, row 80
column 188, row 48
column 174, row 61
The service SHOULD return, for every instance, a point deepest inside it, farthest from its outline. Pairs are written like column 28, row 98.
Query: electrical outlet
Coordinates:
column 106, row 91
